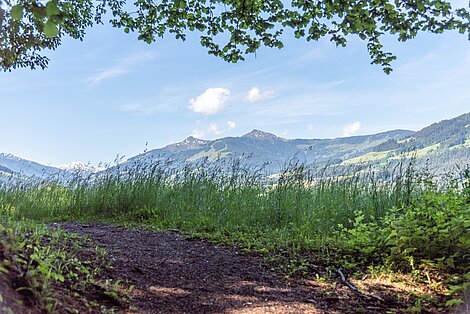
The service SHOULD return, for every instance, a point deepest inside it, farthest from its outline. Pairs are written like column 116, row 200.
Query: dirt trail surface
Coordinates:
column 173, row 274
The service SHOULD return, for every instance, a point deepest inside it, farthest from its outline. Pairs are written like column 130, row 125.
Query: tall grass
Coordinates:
column 301, row 207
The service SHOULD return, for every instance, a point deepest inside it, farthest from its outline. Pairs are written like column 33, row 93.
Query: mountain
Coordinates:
column 188, row 144
column 261, row 135
column 439, row 146
column 447, row 133
column 25, row 167
column 14, row 169
column 258, row 148
column 5, row 170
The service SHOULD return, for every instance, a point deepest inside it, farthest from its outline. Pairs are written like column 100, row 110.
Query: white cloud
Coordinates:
column 213, row 128
column 310, row 127
column 211, row 101
column 231, row 125
column 351, row 128
column 255, row 94
column 123, row 66
column 198, row 133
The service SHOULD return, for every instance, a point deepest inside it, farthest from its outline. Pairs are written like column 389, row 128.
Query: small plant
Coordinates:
column 47, row 260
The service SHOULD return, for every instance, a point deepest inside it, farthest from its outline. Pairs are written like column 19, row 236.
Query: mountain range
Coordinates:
column 259, row 148
column 440, row 146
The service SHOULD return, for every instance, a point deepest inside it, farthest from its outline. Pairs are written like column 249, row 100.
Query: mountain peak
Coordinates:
column 10, row 156
column 192, row 139
column 78, row 166
column 258, row 134
column 190, row 142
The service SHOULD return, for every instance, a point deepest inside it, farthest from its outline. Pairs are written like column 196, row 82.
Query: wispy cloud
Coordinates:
column 144, row 108
column 123, row 66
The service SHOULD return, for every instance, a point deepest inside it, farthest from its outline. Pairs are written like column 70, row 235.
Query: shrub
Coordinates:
column 433, row 231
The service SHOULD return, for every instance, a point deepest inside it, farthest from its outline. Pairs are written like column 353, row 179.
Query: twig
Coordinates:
column 354, row 289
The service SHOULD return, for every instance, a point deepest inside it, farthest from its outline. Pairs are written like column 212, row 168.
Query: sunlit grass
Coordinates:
column 300, row 207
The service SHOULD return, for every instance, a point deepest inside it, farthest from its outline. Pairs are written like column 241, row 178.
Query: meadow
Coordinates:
column 396, row 220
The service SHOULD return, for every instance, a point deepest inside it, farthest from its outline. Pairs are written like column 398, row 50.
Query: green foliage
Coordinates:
column 47, row 260
column 432, row 232
column 16, row 12
column 228, row 29
column 429, row 237
column 50, row 29
column 27, row 27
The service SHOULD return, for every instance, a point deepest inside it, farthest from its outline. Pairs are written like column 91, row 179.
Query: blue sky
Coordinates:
column 111, row 94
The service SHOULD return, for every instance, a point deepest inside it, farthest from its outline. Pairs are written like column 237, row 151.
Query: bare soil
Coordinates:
column 175, row 274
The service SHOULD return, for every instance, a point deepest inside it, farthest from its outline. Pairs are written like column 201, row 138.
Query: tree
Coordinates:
column 229, row 29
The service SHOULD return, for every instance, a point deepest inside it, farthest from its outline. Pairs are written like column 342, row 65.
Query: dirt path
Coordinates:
column 173, row 274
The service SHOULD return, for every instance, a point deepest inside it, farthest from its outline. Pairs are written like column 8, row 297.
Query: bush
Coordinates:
column 433, row 231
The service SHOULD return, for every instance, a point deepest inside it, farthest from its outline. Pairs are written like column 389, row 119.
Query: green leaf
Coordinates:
column 453, row 302
column 60, row 278
column 52, row 9
column 39, row 12
column 50, row 29
column 387, row 70
column 4, row 270
column 16, row 12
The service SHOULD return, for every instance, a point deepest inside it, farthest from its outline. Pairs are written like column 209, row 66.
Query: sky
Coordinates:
column 112, row 94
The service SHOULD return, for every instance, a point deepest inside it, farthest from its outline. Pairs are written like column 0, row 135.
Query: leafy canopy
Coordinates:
column 229, row 29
